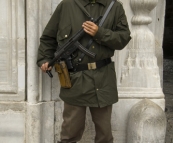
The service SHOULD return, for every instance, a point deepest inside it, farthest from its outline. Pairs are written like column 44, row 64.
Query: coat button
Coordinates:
column 66, row 36
column 93, row 47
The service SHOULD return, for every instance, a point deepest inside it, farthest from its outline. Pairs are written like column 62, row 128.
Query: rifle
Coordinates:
column 64, row 52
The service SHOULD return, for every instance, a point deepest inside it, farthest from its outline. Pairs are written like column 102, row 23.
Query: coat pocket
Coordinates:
column 64, row 33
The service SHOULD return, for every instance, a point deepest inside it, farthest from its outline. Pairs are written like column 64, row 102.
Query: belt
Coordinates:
column 91, row 66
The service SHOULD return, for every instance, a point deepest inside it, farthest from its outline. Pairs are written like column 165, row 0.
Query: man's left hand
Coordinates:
column 90, row 28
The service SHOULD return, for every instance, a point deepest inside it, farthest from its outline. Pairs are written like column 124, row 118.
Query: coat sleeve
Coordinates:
column 48, row 42
column 117, row 37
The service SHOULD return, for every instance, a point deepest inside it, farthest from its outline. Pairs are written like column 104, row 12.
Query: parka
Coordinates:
column 93, row 88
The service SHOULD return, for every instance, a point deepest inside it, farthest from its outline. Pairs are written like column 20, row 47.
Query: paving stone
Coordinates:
column 168, row 91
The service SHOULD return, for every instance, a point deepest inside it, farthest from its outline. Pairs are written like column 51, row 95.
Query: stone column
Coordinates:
column 139, row 76
column 141, row 68
column 40, row 108
column 32, row 46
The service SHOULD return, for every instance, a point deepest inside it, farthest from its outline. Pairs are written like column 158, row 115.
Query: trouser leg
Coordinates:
column 73, row 124
column 102, row 121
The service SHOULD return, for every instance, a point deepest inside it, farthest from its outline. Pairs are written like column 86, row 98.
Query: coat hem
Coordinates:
column 89, row 105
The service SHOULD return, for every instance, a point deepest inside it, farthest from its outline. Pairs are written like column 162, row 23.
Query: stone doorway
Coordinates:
column 168, row 33
column 168, row 69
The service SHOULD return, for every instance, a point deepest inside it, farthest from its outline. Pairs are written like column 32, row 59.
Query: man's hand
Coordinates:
column 44, row 67
column 90, row 28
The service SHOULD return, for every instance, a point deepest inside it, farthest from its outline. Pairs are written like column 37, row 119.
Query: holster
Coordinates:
column 63, row 74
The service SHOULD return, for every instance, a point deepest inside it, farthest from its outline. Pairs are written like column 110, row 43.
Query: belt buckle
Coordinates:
column 92, row 66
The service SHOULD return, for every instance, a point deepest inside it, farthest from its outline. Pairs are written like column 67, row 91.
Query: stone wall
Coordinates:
column 12, row 71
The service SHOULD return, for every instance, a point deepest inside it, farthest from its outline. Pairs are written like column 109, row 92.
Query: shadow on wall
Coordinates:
column 168, row 32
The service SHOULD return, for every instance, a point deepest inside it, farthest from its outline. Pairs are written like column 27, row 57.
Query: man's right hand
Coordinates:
column 44, row 67
column 90, row 27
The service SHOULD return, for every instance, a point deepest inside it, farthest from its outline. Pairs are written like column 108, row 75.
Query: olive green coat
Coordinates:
column 94, row 88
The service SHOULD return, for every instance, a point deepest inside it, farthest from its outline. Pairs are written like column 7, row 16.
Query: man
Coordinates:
column 94, row 88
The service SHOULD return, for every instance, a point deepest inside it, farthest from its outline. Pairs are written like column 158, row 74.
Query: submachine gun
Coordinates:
column 64, row 53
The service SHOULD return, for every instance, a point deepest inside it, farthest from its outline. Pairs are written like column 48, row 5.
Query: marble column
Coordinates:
column 141, row 70
column 32, row 46
column 40, row 108
column 137, row 67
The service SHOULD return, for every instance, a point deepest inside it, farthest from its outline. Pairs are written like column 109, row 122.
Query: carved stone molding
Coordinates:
column 141, row 68
column 12, row 50
column 141, row 9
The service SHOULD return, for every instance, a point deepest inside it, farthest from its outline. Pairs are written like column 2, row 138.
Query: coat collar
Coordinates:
column 83, row 3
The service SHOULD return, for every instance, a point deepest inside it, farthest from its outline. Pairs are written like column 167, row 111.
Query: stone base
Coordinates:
column 119, row 120
column 40, row 123
column 12, row 122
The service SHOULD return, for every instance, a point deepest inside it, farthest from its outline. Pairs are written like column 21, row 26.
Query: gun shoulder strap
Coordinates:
column 106, row 13
column 100, row 24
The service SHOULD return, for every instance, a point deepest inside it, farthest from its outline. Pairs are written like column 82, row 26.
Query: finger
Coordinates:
column 50, row 68
column 46, row 65
column 42, row 68
column 89, row 29
column 92, row 29
column 89, row 32
column 89, row 25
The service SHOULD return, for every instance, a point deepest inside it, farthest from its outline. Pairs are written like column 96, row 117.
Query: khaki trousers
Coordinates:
column 74, row 123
